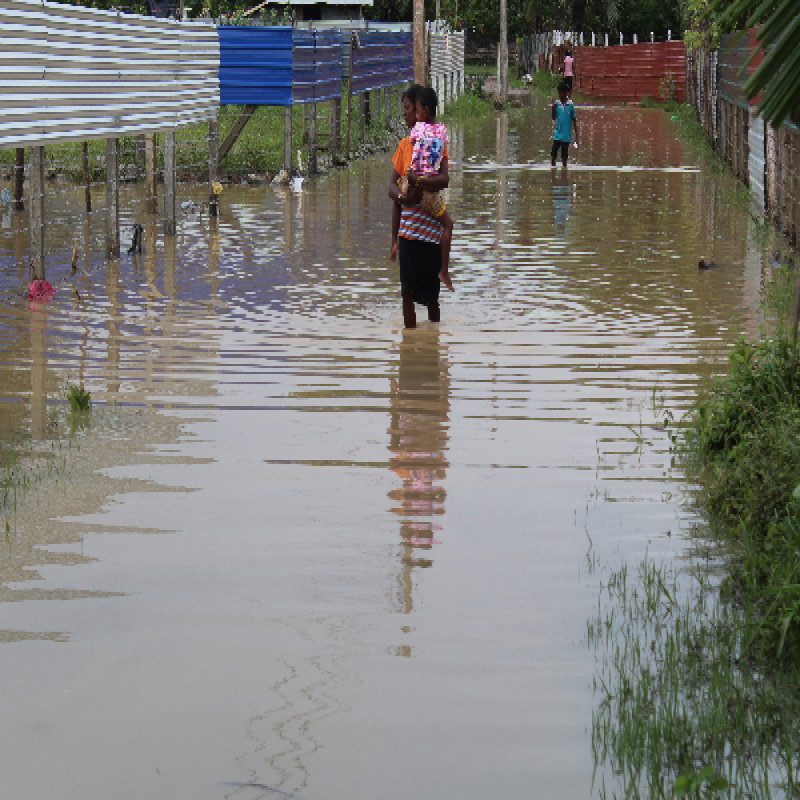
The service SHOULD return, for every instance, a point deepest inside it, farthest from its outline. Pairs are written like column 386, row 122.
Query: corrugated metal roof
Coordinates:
column 69, row 73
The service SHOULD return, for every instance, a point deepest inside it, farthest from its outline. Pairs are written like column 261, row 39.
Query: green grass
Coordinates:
column 680, row 709
column 742, row 444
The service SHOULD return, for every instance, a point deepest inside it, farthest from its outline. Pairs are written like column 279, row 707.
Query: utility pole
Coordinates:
column 420, row 71
column 502, row 55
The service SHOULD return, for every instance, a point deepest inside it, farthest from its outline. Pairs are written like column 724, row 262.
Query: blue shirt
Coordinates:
column 564, row 116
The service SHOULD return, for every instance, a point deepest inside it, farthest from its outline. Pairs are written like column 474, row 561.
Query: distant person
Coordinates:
column 565, row 119
column 569, row 70
column 416, row 234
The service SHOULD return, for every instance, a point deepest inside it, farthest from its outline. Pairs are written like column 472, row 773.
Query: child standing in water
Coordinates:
column 565, row 118
column 429, row 139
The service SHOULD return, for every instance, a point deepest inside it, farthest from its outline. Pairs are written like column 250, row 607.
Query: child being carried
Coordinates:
column 428, row 138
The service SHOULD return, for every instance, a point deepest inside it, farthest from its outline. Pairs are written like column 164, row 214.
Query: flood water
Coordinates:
column 298, row 551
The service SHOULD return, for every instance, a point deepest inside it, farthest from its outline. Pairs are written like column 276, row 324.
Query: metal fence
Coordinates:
column 767, row 160
column 446, row 67
column 255, row 65
column 631, row 72
column 69, row 73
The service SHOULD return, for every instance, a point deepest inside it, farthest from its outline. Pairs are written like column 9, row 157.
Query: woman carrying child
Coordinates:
column 421, row 238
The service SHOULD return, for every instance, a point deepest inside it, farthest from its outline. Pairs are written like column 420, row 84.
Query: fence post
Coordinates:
column 112, row 198
column 362, row 121
column 335, row 135
column 87, row 178
column 150, row 172
column 312, row 141
column 19, row 180
column 170, row 183
column 36, row 213
column 213, row 164
column 287, row 139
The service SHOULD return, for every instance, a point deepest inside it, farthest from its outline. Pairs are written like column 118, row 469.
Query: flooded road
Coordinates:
column 298, row 551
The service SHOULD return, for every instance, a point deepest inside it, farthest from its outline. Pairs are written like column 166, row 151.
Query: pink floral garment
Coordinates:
column 428, row 139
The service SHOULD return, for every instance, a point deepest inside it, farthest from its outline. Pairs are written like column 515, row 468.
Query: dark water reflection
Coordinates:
column 279, row 491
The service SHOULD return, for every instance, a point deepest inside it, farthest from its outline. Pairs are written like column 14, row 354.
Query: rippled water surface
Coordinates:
column 299, row 551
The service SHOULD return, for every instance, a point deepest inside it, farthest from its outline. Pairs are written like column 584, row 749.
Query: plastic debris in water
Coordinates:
column 40, row 290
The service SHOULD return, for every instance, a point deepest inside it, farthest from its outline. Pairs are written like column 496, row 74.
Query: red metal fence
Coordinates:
column 629, row 72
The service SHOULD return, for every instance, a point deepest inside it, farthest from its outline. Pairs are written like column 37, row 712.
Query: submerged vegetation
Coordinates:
column 742, row 444
column 698, row 682
column 681, row 711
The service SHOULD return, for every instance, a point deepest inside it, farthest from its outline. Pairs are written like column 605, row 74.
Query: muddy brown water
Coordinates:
column 296, row 550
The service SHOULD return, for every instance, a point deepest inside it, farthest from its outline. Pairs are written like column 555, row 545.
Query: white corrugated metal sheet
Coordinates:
column 756, row 158
column 447, row 53
column 69, row 73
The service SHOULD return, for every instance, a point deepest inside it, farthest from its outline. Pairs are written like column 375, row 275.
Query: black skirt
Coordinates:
column 420, row 264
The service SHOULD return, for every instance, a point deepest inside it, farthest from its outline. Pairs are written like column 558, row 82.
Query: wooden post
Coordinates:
column 141, row 145
column 36, row 206
column 502, row 55
column 87, row 178
column 420, row 73
column 112, row 198
column 213, row 165
column 170, row 183
column 151, row 192
column 19, row 180
column 312, row 141
column 335, row 136
column 235, row 131
column 287, row 139
column 362, row 119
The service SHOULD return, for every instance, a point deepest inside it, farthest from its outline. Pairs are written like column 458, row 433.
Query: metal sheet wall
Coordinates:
column 69, row 73
column 382, row 59
column 756, row 164
column 316, row 65
column 734, row 51
column 446, row 53
column 255, row 65
column 632, row 71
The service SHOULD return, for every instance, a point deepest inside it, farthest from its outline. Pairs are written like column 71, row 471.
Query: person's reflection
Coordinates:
column 418, row 441
column 562, row 203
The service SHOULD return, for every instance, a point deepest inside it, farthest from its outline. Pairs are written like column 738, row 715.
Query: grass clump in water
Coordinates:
column 742, row 444
column 682, row 710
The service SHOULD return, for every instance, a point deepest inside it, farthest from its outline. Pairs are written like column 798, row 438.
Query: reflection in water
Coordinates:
column 562, row 202
column 418, row 435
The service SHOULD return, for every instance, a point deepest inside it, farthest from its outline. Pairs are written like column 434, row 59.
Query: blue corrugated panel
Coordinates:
column 383, row 59
column 255, row 65
column 316, row 66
